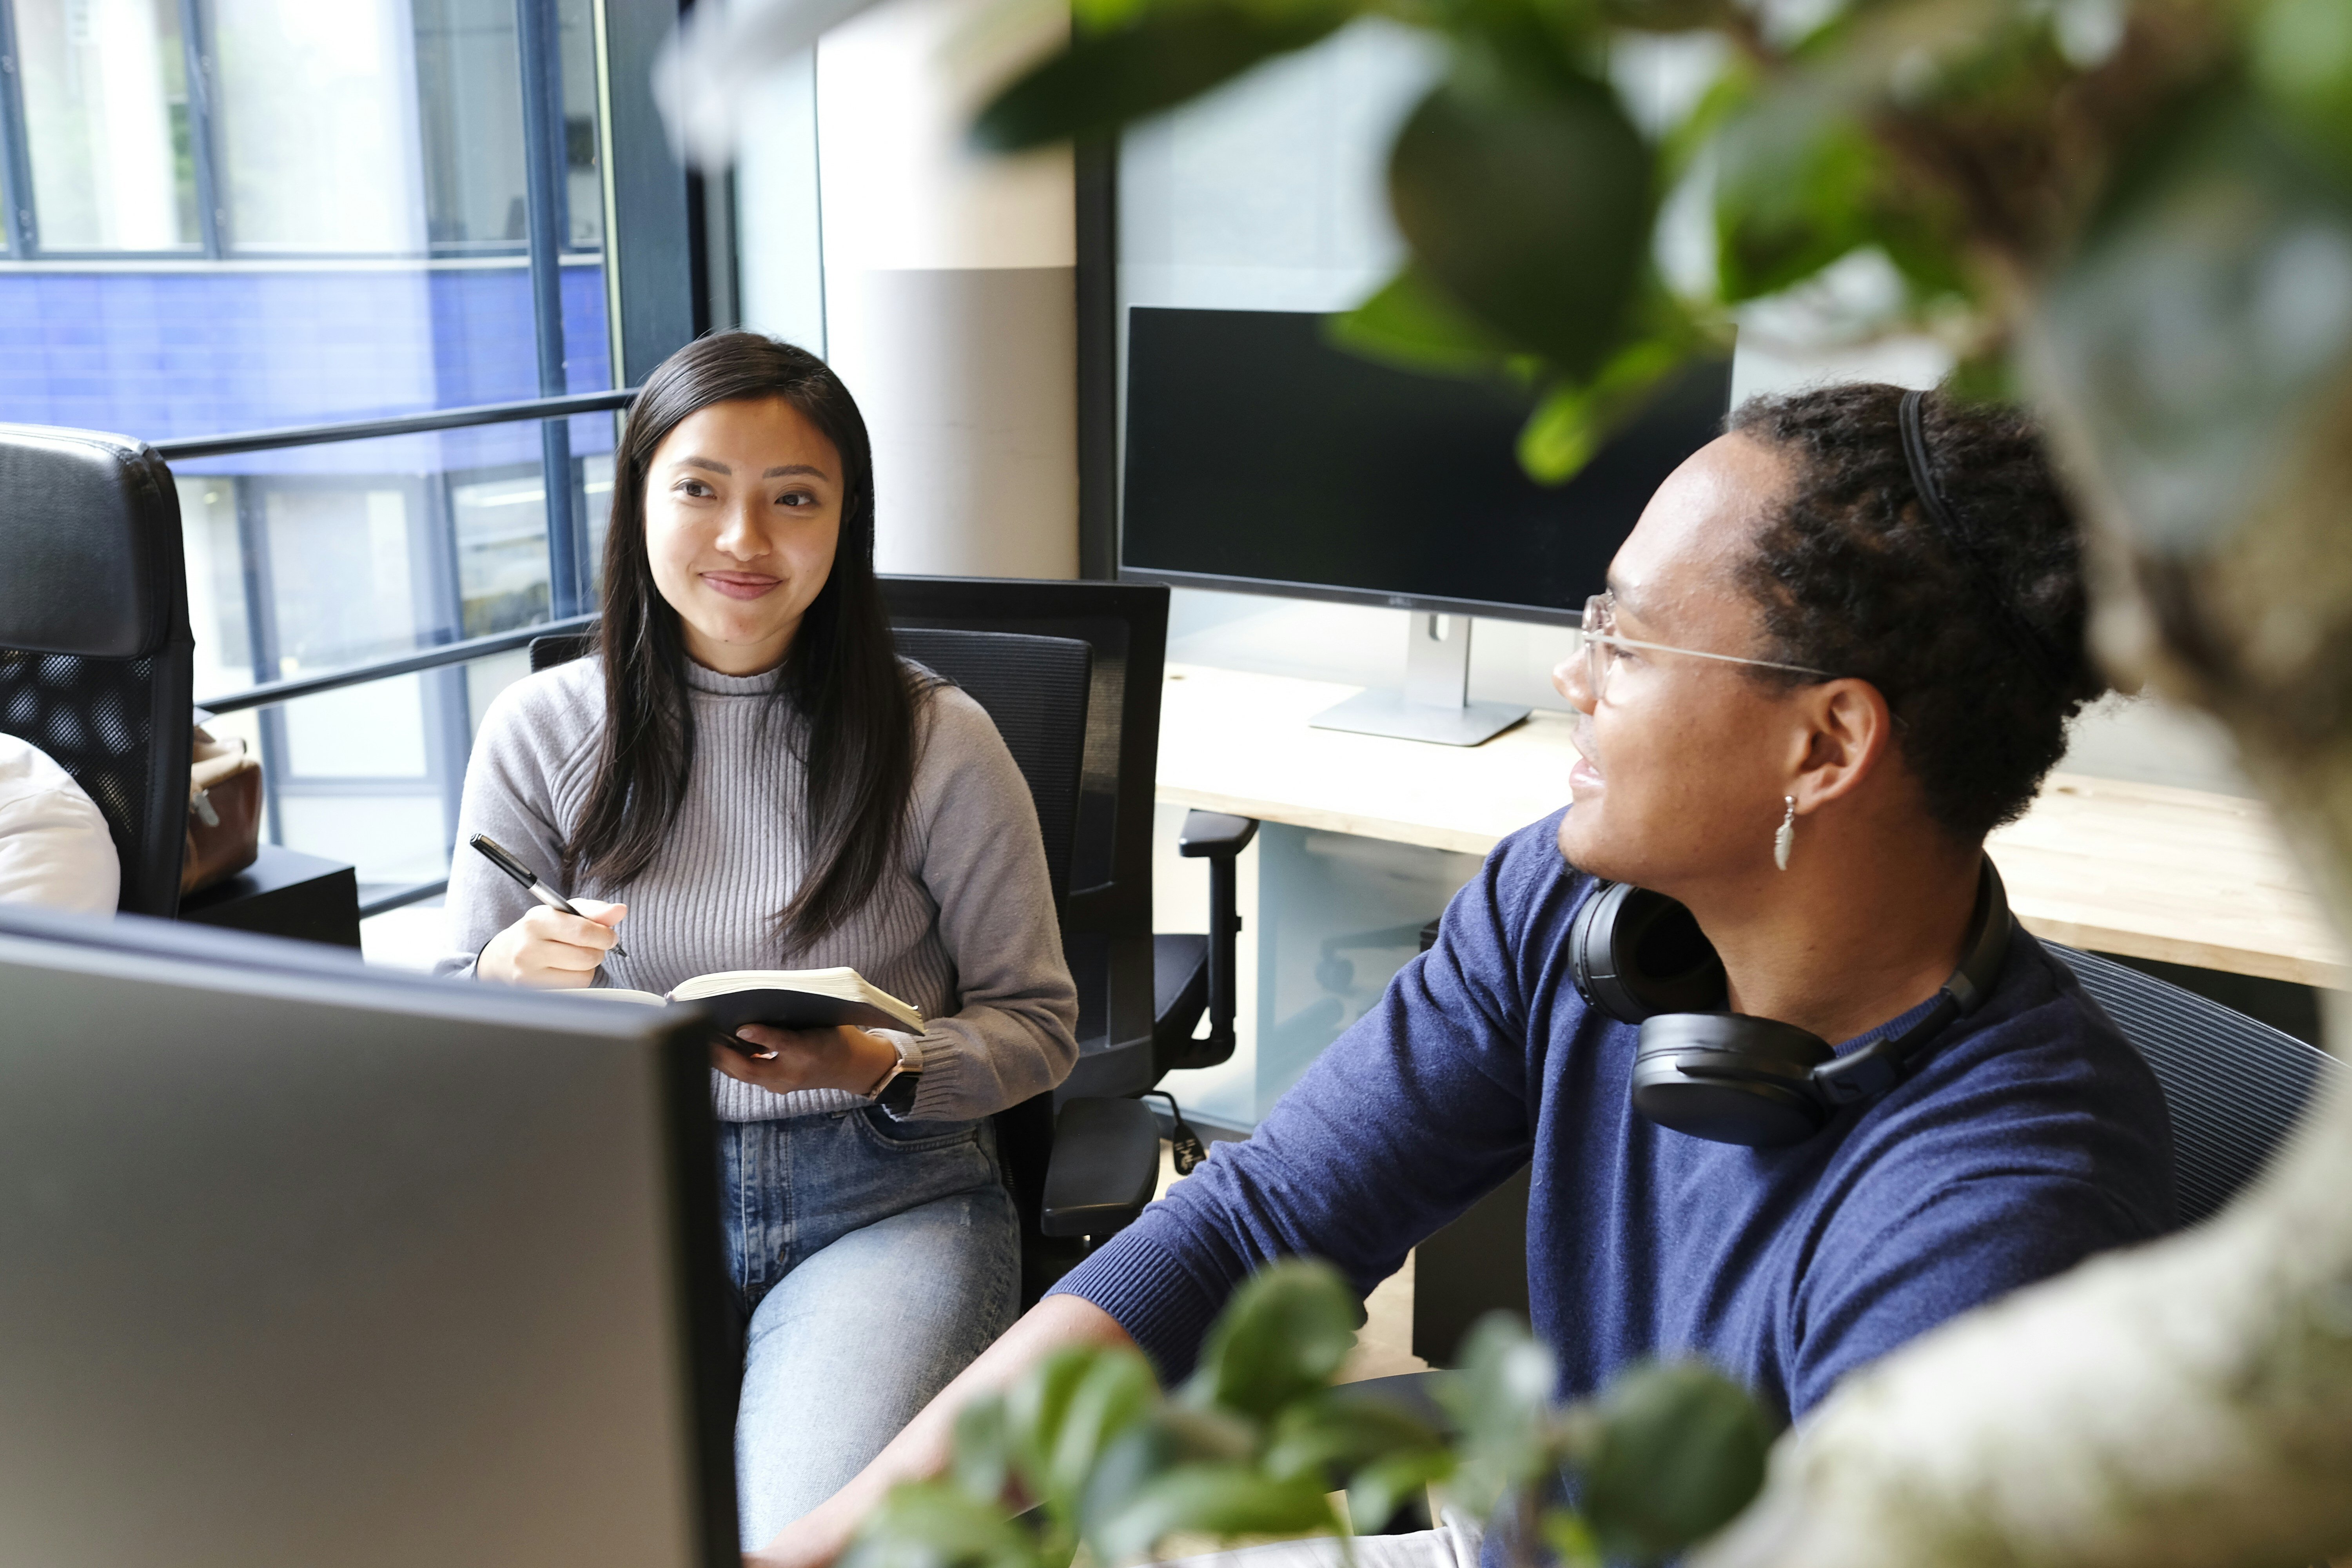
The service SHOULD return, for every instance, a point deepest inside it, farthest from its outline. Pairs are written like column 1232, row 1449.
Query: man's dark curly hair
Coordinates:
column 1855, row 577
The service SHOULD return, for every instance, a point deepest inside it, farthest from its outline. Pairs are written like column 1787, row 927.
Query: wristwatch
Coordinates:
column 895, row 1090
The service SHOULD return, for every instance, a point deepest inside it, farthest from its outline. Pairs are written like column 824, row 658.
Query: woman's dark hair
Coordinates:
column 841, row 693
column 1982, row 659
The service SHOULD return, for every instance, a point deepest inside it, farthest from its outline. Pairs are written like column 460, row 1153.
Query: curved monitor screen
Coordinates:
column 1261, row 456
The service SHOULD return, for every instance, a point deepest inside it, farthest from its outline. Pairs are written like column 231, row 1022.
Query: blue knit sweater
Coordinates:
column 2033, row 1136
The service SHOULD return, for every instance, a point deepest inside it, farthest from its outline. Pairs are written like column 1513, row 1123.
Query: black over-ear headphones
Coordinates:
column 1639, row 957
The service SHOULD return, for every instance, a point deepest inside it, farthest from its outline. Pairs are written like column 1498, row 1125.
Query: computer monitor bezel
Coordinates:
column 1570, row 615
column 214, row 959
column 1426, row 604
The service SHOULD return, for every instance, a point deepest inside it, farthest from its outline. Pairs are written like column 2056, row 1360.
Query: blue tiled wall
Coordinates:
column 169, row 353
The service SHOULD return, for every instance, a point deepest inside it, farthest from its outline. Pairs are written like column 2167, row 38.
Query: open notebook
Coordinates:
column 781, row 999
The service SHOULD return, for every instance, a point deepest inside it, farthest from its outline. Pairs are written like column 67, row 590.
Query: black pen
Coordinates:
column 497, row 856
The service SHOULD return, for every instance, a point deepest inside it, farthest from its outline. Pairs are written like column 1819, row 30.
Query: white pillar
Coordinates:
column 950, row 291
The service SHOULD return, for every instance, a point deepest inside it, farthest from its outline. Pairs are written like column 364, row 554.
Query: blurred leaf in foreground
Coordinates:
column 1411, row 324
column 2210, row 305
column 934, row 1525
column 1530, row 206
column 1678, row 1450
column 1260, row 1439
column 1216, row 1501
column 1500, row 1400
column 2301, row 57
column 1574, row 418
column 1285, row 1333
column 1154, row 60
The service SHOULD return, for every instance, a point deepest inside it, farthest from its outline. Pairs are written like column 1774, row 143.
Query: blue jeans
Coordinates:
column 873, row 1259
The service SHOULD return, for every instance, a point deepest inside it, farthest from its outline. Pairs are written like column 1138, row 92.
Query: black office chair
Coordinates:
column 1083, row 1161
column 96, row 660
column 1142, row 995
column 2233, row 1087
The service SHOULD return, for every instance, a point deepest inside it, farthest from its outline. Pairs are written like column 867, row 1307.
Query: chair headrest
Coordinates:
column 89, row 544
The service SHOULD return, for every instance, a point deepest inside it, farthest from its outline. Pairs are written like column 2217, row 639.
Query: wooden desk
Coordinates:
column 2138, row 869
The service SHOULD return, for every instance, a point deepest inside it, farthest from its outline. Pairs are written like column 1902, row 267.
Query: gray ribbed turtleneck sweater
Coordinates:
column 962, row 927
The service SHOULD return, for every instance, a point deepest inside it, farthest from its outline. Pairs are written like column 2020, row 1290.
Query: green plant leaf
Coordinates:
column 1501, row 1399
column 1411, row 324
column 1569, row 1538
column 1116, row 1393
column 1573, row 421
column 1212, row 1499
column 1104, row 15
column 1155, row 61
column 1284, row 1334
column 1678, row 1451
column 1035, row 1407
column 1793, row 180
column 1127, row 1464
column 1204, row 1432
column 1664, row 16
column 1339, row 1430
column 1529, row 201
column 1383, row 1487
column 2201, row 323
column 929, row 1524
column 2300, row 52
column 983, row 1449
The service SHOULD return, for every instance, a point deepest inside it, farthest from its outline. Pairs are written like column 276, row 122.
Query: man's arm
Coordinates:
column 922, row 1450
column 1403, row 1122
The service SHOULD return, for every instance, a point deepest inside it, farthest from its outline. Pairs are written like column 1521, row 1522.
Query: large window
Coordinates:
column 106, row 112
column 334, row 223
column 227, row 215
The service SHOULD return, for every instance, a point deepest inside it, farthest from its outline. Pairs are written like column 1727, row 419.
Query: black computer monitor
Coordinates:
column 307, row 1263
column 1262, row 457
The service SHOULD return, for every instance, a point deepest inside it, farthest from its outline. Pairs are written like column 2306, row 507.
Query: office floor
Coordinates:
column 1384, row 1344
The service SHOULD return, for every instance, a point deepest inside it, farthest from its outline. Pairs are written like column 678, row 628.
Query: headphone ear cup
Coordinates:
column 1634, row 953
column 1731, row 1078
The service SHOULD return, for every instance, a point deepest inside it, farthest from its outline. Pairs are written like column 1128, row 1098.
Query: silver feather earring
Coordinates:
column 1786, row 835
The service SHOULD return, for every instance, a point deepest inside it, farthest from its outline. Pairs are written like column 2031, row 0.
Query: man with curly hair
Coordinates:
column 1843, row 643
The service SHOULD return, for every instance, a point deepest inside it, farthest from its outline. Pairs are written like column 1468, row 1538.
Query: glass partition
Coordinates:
column 305, row 560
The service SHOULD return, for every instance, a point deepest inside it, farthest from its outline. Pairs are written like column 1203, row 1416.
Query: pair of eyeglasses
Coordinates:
column 1603, row 648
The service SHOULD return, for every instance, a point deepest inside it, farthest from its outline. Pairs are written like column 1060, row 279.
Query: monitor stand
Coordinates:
column 1435, row 703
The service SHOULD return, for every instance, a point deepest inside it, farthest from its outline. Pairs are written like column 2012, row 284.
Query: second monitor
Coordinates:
column 1262, row 458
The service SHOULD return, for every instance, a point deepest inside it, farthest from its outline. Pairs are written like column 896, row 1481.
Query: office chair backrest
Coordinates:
column 1126, row 624
column 1035, row 689
column 95, row 655
column 547, row 652
column 2234, row 1088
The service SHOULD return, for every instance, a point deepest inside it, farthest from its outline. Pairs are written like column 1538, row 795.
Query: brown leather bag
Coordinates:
column 223, row 811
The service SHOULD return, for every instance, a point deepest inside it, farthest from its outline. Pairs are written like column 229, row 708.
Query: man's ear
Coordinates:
column 1847, row 731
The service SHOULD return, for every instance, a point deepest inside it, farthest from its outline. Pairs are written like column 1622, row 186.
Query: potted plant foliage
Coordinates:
column 1259, row 1442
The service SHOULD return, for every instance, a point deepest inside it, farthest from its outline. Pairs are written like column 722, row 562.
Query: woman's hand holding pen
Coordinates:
column 551, row 950
column 843, row 1058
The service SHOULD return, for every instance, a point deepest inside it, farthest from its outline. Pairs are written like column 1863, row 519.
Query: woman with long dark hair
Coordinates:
column 748, row 763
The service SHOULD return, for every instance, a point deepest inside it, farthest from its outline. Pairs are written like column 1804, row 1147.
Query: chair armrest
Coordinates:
column 1219, row 839
column 1103, row 1166
column 1215, row 835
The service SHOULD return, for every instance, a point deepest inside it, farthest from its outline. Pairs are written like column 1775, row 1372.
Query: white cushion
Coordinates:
column 55, row 850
